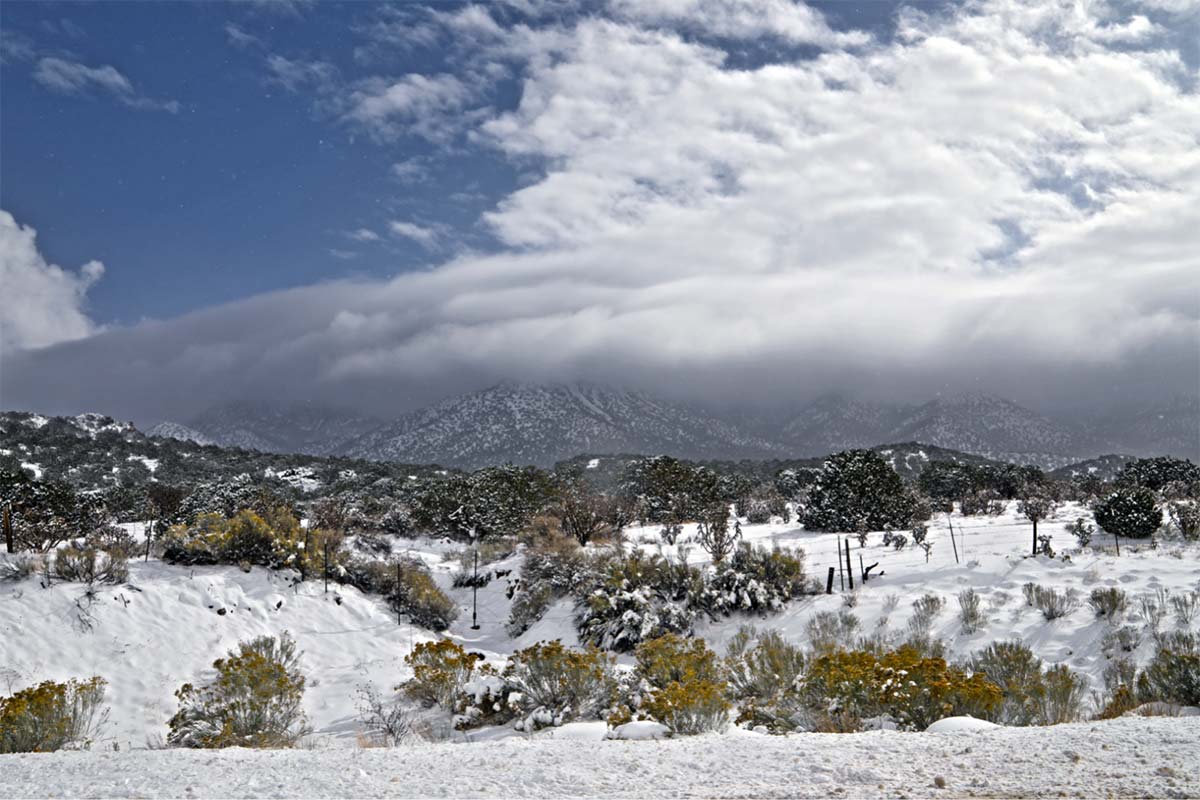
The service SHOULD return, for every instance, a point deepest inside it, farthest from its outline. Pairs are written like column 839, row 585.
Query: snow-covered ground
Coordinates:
column 1128, row 757
column 166, row 625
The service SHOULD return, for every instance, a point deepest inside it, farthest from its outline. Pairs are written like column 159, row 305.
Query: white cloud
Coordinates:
column 422, row 105
column 71, row 77
column 363, row 235
column 426, row 237
column 43, row 302
column 1005, row 195
column 741, row 19
column 240, row 38
column 294, row 75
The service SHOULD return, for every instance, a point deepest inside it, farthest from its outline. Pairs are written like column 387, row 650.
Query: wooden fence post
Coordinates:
column 841, row 572
column 829, row 582
column 849, row 569
column 952, row 542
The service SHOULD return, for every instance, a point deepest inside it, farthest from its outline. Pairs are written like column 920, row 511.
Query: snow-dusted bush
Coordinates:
column 859, row 488
column 756, row 579
column 272, row 539
column 674, row 659
column 1030, row 695
column 441, row 670
column 19, row 566
column 1186, row 607
column 841, row 689
column 387, row 724
column 1125, row 639
column 639, row 597
column 1082, row 530
column 925, row 609
column 552, row 684
column 832, row 630
column 1173, row 675
column 554, row 566
column 1132, row 513
column 1051, row 602
column 762, row 669
column 1185, row 518
column 1109, row 603
column 52, row 716
column 690, row 708
column 254, row 700
column 85, row 565
column 418, row 597
column 714, row 533
column 970, row 611
column 984, row 502
column 897, row 541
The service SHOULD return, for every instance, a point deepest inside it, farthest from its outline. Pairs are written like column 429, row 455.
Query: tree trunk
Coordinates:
column 8, row 534
column 1035, row 536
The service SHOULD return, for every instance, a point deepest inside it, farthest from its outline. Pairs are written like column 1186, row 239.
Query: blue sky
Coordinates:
column 401, row 201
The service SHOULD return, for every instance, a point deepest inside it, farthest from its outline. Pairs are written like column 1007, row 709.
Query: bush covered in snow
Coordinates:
column 87, row 565
column 52, row 716
column 447, row 676
column 417, row 596
column 832, row 630
column 682, row 685
column 552, row 684
column 762, row 668
column 274, row 540
column 1133, row 513
column 639, row 597
column 254, row 700
column 858, row 488
column 1051, row 602
column 756, row 579
column 1109, row 603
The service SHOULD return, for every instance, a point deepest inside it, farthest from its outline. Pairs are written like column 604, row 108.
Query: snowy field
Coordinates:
column 166, row 625
column 1128, row 757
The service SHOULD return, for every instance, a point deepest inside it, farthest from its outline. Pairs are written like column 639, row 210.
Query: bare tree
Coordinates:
column 1035, row 507
column 714, row 534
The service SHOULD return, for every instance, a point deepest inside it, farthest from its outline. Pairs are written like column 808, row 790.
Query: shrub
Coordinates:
column 638, row 597
column 674, row 659
column 557, row 683
column 555, row 567
column 441, row 671
column 925, row 610
column 970, row 611
column 1124, row 639
column 1017, row 671
column 830, row 630
column 1185, row 518
column 1186, row 607
column 762, row 669
column 271, row 539
column 1109, row 603
column 757, row 579
column 984, row 502
column 1061, row 696
column 79, row 565
column 714, row 534
column 1173, row 675
column 52, row 716
column 254, row 700
column 386, row 724
column 1129, row 512
column 690, row 708
column 898, row 541
column 1052, row 603
column 416, row 596
column 1082, row 531
column 20, row 566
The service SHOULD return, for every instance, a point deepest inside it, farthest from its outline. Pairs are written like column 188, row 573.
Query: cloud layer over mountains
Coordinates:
column 1002, row 197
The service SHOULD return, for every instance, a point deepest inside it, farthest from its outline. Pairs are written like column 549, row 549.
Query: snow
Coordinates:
column 36, row 469
column 1131, row 756
column 593, row 463
column 639, row 730
column 151, row 463
column 961, row 725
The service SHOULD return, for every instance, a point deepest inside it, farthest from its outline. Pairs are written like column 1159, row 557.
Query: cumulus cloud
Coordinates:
column 72, row 77
column 425, row 236
column 421, row 105
column 1005, row 195
column 44, row 303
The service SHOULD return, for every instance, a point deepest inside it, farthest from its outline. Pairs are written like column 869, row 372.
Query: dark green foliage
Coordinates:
column 639, row 597
column 857, row 489
column 1155, row 473
column 755, row 579
column 1173, row 675
column 496, row 501
column 1129, row 512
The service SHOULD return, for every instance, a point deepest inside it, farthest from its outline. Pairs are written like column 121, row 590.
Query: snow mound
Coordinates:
column 640, row 729
column 961, row 725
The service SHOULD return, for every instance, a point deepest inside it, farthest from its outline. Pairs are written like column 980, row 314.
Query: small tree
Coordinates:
column 715, row 535
column 1035, row 507
column 1132, row 513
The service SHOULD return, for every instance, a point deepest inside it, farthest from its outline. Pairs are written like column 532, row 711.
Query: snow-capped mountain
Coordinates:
column 834, row 422
column 542, row 424
column 312, row 430
column 173, row 430
column 993, row 427
column 1172, row 428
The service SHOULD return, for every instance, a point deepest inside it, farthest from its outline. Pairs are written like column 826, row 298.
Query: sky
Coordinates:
column 724, row 201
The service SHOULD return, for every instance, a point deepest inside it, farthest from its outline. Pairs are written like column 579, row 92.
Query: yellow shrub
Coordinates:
column 440, row 671
column 51, row 716
column 674, row 659
column 691, row 707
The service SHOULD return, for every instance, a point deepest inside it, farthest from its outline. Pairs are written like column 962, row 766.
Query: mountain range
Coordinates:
column 546, row 423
